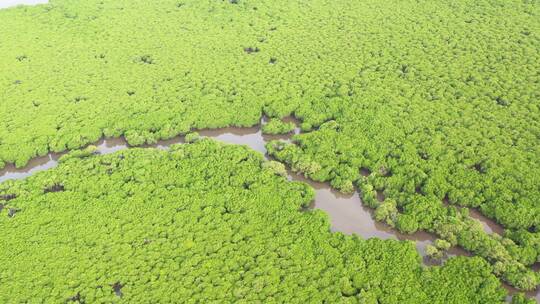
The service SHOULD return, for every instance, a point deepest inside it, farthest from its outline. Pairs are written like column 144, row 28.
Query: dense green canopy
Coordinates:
column 206, row 222
column 439, row 100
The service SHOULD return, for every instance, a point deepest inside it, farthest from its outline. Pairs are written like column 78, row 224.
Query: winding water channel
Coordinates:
column 346, row 212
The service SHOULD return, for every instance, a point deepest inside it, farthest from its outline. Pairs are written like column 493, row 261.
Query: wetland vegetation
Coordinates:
column 146, row 225
column 426, row 111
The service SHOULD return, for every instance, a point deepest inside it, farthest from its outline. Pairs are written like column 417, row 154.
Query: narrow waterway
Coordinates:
column 346, row 212
column 490, row 226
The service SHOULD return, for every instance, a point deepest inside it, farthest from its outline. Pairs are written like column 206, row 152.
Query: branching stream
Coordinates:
column 346, row 212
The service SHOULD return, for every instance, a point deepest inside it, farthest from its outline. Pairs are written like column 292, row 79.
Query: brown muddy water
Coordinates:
column 490, row 226
column 10, row 3
column 346, row 212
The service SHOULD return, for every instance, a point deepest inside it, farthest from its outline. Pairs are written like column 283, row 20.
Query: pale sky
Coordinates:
column 8, row 3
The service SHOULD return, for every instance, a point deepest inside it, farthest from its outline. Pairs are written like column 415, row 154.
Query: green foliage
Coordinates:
column 387, row 212
column 275, row 167
column 434, row 252
column 277, row 126
column 206, row 222
column 406, row 223
column 460, row 273
column 306, row 127
column 521, row 299
column 86, row 152
column 192, row 137
column 442, row 244
column 444, row 106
